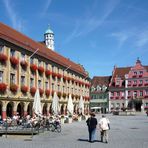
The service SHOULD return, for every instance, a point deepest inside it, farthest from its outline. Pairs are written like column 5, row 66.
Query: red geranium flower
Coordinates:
column 24, row 64
column 13, row 88
column 3, row 87
column 24, row 89
column 41, row 69
column 32, row 90
column 48, row 73
column 47, row 92
column 14, row 61
column 41, row 91
column 33, row 67
column 3, row 58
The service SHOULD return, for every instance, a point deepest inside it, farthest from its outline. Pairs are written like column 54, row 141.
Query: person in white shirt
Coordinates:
column 104, row 126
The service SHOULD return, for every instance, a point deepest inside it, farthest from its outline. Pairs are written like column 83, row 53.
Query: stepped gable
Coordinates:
column 19, row 39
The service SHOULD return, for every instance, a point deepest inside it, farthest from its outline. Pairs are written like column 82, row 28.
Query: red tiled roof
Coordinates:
column 100, row 80
column 21, row 40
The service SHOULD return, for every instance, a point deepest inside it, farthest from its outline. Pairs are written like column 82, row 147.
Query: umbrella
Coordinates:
column 70, row 105
column 37, row 103
column 81, row 105
column 55, row 103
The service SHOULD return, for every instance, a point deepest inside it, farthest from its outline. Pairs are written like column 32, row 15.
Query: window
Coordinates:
column 12, row 52
column 135, row 82
column 39, row 83
column 1, row 48
column 46, row 66
column 39, row 63
column 31, row 82
column 58, row 87
column 141, row 93
column 141, row 72
column 31, row 60
column 117, row 82
column 122, row 94
column 22, row 80
column 46, row 85
column 140, row 81
column 52, row 86
column 12, row 78
column 135, row 93
column 118, row 93
column 129, row 82
column 112, row 94
column 129, row 93
column 1, row 76
column 22, row 56
column 146, row 92
column 135, row 73
column 146, row 81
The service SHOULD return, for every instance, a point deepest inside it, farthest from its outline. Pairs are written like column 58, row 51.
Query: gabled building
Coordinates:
column 23, row 69
column 99, row 93
column 128, row 88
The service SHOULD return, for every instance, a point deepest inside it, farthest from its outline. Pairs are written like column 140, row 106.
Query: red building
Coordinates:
column 128, row 87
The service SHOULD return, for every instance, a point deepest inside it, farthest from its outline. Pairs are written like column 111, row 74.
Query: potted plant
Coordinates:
column 33, row 68
column 24, row 89
column 62, row 119
column 24, row 64
column 40, row 70
column 70, row 118
column 41, row 91
column 3, row 58
column 48, row 73
column 47, row 92
column 13, row 87
column 14, row 61
column 3, row 88
column 32, row 91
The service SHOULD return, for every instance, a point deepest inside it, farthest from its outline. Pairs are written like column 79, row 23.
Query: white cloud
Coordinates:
column 16, row 22
column 142, row 39
column 46, row 6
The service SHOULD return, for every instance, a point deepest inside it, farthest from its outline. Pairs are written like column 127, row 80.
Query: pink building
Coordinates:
column 128, row 88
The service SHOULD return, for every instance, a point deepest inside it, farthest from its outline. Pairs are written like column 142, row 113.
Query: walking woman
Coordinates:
column 92, row 123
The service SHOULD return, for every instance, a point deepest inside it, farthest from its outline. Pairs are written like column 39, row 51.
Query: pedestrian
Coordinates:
column 104, row 126
column 92, row 124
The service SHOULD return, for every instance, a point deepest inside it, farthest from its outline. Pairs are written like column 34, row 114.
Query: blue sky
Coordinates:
column 95, row 33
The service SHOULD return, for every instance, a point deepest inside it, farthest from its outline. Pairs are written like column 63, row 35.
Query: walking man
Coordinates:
column 92, row 123
column 104, row 125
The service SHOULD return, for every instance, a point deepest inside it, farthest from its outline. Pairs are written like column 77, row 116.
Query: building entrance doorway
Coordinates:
column 135, row 104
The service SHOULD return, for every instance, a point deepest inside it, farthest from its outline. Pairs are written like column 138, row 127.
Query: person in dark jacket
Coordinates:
column 92, row 124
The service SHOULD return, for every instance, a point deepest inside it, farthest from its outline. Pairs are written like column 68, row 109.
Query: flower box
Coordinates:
column 13, row 88
column 40, row 69
column 3, row 58
column 24, row 64
column 64, row 95
column 54, row 74
column 3, row 87
column 48, row 73
column 47, row 92
column 14, row 61
column 41, row 91
column 59, row 76
column 33, row 67
column 32, row 91
column 24, row 89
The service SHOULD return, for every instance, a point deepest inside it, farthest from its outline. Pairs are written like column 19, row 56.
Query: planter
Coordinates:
column 32, row 91
column 79, row 118
column 24, row 89
column 3, row 87
column 14, row 61
column 47, row 92
column 41, row 91
column 13, row 88
column 40, row 70
column 62, row 120
column 24, row 64
column 3, row 58
column 70, row 120
column 33, row 67
column 48, row 73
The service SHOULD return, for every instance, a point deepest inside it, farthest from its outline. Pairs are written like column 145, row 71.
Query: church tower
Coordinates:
column 49, row 38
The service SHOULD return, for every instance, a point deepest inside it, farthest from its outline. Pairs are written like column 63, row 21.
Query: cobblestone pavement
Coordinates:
column 126, row 132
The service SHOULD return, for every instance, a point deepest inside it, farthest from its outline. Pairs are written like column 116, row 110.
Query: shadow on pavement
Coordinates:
column 86, row 140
